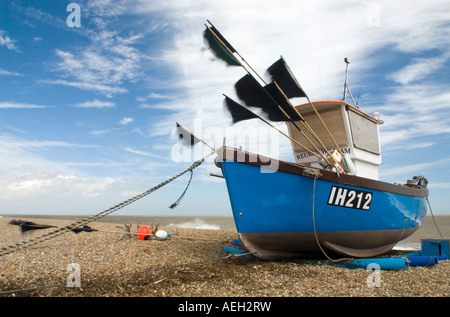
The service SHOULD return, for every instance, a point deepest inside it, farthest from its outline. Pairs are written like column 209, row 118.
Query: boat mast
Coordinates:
column 346, row 85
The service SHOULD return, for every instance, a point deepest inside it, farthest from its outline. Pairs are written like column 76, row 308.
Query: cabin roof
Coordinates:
column 328, row 104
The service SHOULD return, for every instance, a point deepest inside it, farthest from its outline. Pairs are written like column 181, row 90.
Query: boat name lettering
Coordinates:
column 304, row 155
column 350, row 198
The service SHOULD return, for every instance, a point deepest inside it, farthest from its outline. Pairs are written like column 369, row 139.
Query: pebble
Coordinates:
column 191, row 263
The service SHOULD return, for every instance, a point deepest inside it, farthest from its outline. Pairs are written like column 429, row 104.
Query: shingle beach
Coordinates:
column 190, row 264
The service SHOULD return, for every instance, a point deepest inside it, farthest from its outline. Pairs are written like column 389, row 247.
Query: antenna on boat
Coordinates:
column 346, row 84
column 359, row 93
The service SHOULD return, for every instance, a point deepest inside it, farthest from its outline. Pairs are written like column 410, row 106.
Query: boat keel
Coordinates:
column 278, row 246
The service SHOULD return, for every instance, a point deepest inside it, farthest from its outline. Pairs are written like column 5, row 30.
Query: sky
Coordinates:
column 90, row 93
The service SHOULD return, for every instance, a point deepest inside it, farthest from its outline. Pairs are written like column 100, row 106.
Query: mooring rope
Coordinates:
column 432, row 215
column 314, row 222
column 315, row 231
column 84, row 221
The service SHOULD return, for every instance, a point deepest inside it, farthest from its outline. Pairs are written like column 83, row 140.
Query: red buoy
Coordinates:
column 144, row 232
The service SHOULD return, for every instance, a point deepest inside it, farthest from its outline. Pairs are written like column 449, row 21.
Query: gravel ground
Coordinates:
column 191, row 264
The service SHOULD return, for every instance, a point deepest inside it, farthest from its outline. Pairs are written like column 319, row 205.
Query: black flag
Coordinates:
column 254, row 95
column 28, row 225
column 280, row 73
column 219, row 47
column 238, row 112
column 85, row 228
column 278, row 96
column 185, row 136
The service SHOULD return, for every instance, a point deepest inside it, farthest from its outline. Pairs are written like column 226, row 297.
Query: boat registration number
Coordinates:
column 350, row 198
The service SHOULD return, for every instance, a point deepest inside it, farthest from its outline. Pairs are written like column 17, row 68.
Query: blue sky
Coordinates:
column 87, row 114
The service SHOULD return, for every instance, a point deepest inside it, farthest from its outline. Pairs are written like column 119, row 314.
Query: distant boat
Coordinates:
column 330, row 198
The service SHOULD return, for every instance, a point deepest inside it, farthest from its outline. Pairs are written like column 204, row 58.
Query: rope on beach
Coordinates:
column 84, row 221
column 432, row 215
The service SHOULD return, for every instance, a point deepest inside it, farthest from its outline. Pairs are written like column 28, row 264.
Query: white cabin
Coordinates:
column 355, row 132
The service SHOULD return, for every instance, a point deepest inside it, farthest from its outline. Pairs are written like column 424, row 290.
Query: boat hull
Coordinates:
column 286, row 210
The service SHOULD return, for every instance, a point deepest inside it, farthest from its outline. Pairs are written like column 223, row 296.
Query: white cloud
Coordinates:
column 100, row 132
column 419, row 69
column 12, row 144
column 106, row 90
column 7, row 41
column 109, row 61
column 96, row 104
column 8, row 73
column 20, row 159
column 40, row 16
column 19, row 105
column 416, row 26
column 126, row 120
column 104, row 66
column 62, row 185
column 439, row 185
column 416, row 112
column 103, row 9
column 414, row 169
column 159, row 96
column 143, row 153
column 52, row 187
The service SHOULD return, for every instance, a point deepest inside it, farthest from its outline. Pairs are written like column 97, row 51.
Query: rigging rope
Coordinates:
column 84, row 221
column 182, row 195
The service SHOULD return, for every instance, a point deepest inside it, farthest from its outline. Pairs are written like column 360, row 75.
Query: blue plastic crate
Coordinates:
column 436, row 247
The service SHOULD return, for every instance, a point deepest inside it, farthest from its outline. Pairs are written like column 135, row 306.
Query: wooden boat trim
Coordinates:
column 240, row 156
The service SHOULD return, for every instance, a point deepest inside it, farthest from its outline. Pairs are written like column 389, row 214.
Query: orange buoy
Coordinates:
column 144, row 232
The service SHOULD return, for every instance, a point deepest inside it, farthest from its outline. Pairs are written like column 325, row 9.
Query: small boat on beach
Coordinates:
column 330, row 198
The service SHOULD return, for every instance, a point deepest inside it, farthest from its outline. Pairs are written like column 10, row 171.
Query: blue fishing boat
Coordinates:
column 295, row 209
column 284, row 209
column 330, row 198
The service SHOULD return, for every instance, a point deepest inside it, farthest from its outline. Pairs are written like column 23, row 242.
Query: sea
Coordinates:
column 437, row 226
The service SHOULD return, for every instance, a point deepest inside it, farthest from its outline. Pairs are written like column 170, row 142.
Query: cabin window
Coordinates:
column 364, row 133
